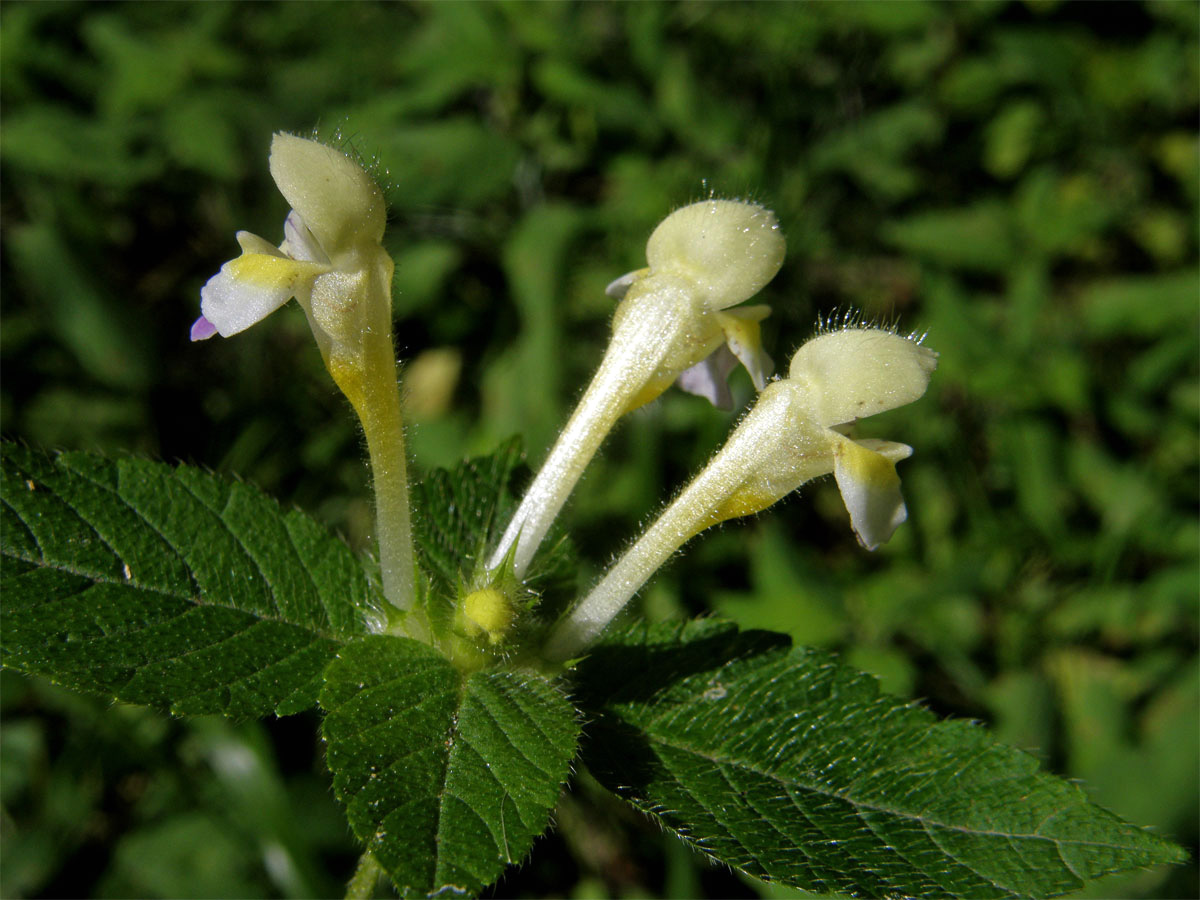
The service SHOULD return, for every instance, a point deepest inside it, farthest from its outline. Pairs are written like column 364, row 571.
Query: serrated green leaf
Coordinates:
column 784, row 764
column 446, row 777
column 169, row 587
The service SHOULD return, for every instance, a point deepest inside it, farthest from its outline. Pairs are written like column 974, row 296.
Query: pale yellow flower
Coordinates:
column 333, row 262
column 794, row 433
column 703, row 259
column 330, row 254
column 673, row 316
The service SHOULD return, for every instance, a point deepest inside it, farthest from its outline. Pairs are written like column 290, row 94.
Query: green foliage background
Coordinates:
column 1019, row 180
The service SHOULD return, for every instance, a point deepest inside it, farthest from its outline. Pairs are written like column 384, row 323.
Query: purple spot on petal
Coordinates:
column 202, row 329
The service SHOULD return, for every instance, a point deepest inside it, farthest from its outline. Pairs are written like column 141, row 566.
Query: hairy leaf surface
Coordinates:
column 785, row 764
column 169, row 586
column 446, row 777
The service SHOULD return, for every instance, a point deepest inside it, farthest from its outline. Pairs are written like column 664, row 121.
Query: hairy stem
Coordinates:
column 383, row 425
column 682, row 519
column 704, row 502
column 365, row 877
column 634, row 355
column 367, row 376
column 384, row 430
column 598, row 411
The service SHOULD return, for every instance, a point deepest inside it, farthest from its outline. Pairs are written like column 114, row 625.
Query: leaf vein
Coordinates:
column 191, row 598
column 237, row 538
column 392, row 718
column 949, row 855
column 329, row 617
column 520, row 752
column 32, row 534
column 875, row 807
column 60, row 464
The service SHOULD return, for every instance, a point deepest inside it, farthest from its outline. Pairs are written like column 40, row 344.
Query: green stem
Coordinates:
column 365, row 877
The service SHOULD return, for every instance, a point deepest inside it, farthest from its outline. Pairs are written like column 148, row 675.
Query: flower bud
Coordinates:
column 487, row 612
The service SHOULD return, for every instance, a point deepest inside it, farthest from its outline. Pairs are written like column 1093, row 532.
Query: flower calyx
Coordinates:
column 487, row 614
column 489, row 621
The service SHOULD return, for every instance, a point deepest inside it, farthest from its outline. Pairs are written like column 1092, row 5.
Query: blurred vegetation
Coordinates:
column 1018, row 180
